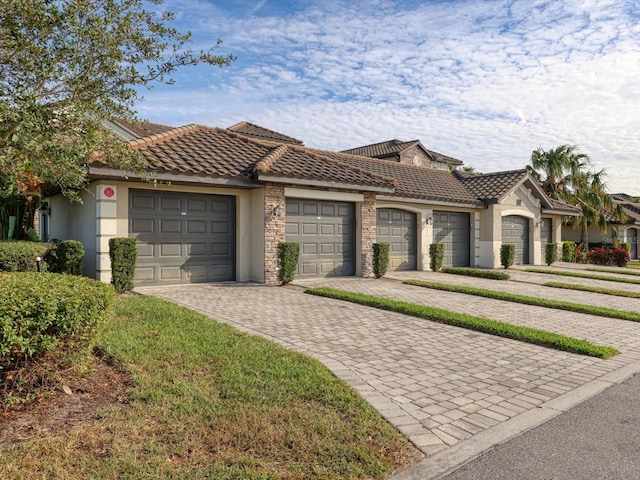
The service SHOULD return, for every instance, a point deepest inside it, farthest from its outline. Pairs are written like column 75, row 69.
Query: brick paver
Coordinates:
column 437, row 384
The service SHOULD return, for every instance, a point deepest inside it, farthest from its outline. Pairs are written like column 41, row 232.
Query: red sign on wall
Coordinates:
column 108, row 192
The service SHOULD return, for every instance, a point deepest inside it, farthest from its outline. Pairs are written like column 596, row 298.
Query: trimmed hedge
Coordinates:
column 436, row 255
column 20, row 256
column 37, row 310
column 568, row 251
column 507, row 254
column 66, row 257
column 288, row 256
column 380, row 259
column 477, row 272
column 123, row 253
column 550, row 253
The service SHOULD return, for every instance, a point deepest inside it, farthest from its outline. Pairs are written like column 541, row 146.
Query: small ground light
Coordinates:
column 38, row 260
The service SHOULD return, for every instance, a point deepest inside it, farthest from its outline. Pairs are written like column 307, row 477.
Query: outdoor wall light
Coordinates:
column 277, row 211
column 428, row 219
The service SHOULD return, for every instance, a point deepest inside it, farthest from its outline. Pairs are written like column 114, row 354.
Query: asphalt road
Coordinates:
column 598, row 439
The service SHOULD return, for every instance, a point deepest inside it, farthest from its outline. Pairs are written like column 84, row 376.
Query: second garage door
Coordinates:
column 515, row 230
column 452, row 229
column 398, row 229
column 182, row 238
column 326, row 234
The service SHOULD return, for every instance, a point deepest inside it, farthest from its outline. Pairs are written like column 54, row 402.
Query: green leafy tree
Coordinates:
column 565, row 174
column 66, row 68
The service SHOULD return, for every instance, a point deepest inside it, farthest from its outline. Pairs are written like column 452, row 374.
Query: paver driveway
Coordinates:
column 437, row 384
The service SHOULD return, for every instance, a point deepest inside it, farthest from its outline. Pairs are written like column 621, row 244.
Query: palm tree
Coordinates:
column 565, row 174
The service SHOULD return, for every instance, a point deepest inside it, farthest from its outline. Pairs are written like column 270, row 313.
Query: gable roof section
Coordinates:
column 261, row 133
column 495, row 187
column 394, row 147
column 213, row 154
column 629, row 207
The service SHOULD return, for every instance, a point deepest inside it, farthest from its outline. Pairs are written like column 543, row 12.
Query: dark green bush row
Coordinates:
column 436, row 256
column 288, row 256
column 380, row 259
column 37, row 310
column 65, row 257
column 123, row 253
column 507, row 254
column 550, row 253
column 20, row 256
column 477, row 272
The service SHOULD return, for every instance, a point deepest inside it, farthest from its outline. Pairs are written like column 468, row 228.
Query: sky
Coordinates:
column 486, row 82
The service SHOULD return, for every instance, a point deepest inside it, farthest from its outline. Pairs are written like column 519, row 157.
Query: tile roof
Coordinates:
column 413, row 181
column 559, row 206
column 491, row 186
column 256, row 131
column 631, row 208
column 144, row 129
column 200, row 150
column 394, row 147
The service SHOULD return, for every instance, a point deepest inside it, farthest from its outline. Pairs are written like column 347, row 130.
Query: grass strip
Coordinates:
column 526, row 300
column 590, row 276
column 485, row 325
column 476, row 272
column 633, row 265
column 619, row 272
column 208, row 401
column 589, row 288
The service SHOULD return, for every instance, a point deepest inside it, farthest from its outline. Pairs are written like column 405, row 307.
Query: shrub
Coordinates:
column 550, row 253
column 507, row 254
column 626, row 246
column 599, row 256
column 380, row 259
column 436, row 255
column 20, row 256
column 37, row 310
column 70, row 257
column 620, row 257
column 123, row 253
column 477, row 272
column 568, row 251
column 288, row 256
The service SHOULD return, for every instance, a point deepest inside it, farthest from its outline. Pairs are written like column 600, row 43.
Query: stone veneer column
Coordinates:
column 273, row 231
column 368, row 233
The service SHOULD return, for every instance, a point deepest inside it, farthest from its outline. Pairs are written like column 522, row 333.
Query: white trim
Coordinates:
column 323, row 195
column 430, row 202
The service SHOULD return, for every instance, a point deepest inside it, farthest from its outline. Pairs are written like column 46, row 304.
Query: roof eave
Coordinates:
column 181, row 178
column 551, row 211
column 425, row 201
column 322, row 183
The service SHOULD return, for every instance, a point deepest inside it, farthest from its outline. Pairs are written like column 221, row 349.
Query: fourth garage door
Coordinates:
column 452, row 229
column 326, row 234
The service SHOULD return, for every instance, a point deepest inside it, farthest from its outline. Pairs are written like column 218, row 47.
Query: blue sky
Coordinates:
column 483, row 81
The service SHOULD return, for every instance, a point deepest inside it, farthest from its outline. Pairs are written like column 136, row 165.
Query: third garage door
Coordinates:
column 515, row 230
column 326, row 234
column 398, row 229
column 452, row 229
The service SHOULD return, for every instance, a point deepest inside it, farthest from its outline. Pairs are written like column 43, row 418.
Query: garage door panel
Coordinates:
column 452, row 229
column 398, row 229
column 632, row 238
column 515, row 230
column 182, row 238
column 324, row 231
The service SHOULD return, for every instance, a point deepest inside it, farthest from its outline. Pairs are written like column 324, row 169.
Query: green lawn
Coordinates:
column 589, row 288
column 527, row 300
column 210, row 402
column 480, row 324
column 590, row 276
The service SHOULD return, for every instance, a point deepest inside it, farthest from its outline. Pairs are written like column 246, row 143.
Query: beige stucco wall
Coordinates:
column 99, row 218
column 75, row 221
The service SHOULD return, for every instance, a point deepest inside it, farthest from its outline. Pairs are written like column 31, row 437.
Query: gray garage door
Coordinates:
column 182, row 238
column 515, row 230
column 326, row 234
column 545, row 235
column 452, row 229
column 398, row 229
column 632, row 238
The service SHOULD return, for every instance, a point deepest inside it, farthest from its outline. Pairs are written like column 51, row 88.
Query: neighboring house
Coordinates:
column 626, row 231
column 223, row 199
column 410, row 153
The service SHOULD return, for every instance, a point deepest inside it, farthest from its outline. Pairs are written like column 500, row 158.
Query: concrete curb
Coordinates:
column 445, row 462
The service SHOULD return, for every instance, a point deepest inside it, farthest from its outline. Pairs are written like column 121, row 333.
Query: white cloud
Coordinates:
column 486, row 82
